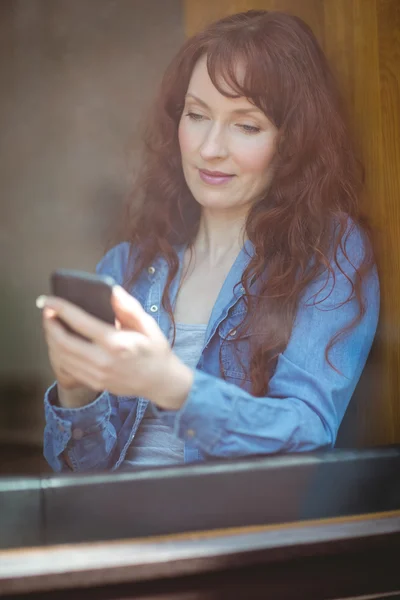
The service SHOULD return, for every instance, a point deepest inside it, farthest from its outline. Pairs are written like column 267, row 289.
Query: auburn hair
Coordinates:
column 300, row 227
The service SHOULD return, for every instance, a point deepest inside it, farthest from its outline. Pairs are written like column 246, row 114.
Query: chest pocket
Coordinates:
column 235, row 355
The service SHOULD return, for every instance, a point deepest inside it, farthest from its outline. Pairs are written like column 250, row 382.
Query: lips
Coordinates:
column 215, row 177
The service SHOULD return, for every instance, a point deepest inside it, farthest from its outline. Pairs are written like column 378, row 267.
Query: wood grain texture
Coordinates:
column 362, row 41
column 351, row 44
column 103, row 563
column 388, row 23
column 362, row 44
column 199, row 14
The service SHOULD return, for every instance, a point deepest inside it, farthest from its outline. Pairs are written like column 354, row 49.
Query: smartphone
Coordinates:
column 89, row 291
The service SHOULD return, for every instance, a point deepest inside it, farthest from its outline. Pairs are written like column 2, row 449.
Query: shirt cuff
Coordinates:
column 65, row 423
column 204, row 414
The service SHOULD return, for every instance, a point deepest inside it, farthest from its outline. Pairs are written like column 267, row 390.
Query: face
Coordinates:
column 227, row 145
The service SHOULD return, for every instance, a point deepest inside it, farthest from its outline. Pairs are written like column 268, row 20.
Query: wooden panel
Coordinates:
column 362, row 41
column 372, row 539
column 351, row 44
column 198, row 14
column 388, row 20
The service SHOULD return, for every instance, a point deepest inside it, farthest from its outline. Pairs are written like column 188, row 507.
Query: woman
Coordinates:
column 252, row 300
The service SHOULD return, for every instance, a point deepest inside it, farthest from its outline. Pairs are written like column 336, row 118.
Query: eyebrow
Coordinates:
column 239, row 111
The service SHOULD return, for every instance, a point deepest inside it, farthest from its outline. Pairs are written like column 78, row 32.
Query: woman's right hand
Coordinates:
column 71, row 393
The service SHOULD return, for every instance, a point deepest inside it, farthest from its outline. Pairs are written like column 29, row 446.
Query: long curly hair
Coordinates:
column 300, row 227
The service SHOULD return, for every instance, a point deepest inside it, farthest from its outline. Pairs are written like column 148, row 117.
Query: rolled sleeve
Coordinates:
column 226, row 421
column 201, row 418
column 85, row 432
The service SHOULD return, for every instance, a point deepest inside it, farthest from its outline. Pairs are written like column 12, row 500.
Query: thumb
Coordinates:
column 129, row 312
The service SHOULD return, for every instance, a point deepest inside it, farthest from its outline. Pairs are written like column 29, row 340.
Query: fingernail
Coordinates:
column 120, row 293
column 117, row 290
column 41, row 301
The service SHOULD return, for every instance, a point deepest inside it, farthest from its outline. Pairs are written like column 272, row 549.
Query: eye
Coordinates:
column 249, row 128
column 194, row 116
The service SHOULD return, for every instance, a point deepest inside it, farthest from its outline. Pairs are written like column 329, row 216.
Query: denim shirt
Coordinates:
column 306, row 397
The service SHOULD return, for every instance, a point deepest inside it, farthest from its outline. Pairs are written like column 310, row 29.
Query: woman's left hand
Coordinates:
column 134, row 359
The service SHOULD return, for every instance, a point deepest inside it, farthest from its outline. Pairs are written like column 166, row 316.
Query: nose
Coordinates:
column 214, row 144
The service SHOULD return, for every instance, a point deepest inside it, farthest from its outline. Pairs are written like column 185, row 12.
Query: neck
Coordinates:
column 220, row 235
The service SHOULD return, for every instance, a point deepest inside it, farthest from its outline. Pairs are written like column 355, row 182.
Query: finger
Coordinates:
column 61, row 373
column 66, row 373
column 79, row 320
column 61, row 341
column 53, row 327
column 131, row 314
column 50, row 325
column 128, row 310
column 73, row 368
column 49, row 313
column 84, row 373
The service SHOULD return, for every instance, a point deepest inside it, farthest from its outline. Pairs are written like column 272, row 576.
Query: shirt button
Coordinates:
column 154, row 308
column 232, row 333
column 190, row 433
column 151, row 270
column 77, row 434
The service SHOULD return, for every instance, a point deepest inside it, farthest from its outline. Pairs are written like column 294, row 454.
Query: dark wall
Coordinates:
column 76, row 77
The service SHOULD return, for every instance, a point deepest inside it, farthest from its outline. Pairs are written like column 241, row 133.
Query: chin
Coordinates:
column 216, row 203
column 212, row 198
